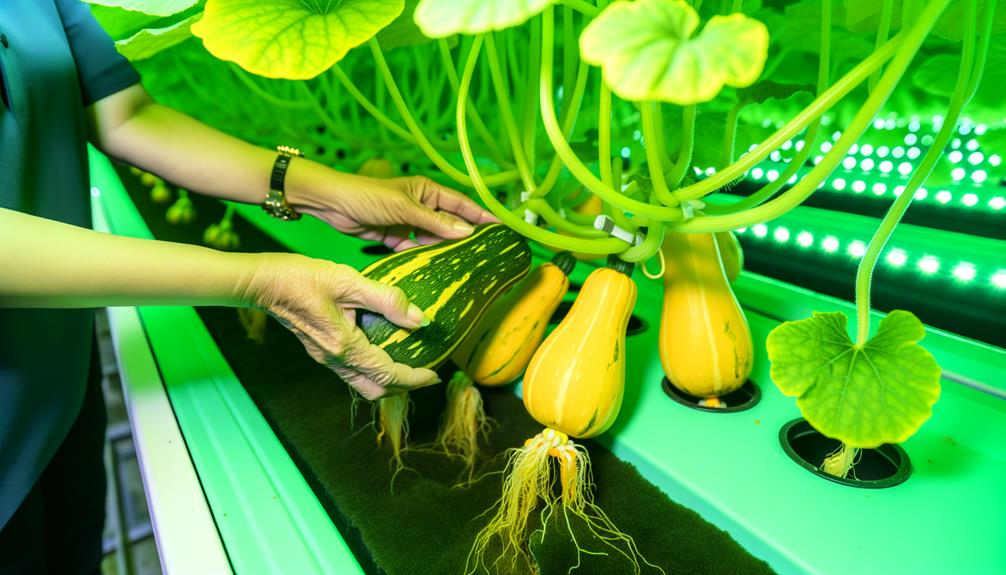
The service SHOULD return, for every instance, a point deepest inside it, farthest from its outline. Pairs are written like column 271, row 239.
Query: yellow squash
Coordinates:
column 731, row 254
column 500, row 347
column 575, row 381
column 705, row 343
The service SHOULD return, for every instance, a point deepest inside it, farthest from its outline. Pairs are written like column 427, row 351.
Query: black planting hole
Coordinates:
column 885, row 466
column 340, row 154
column 636, row 324
column 405, row 167
column 376, row 250
column 743, row 398
column 320, row 129
column 319, row 151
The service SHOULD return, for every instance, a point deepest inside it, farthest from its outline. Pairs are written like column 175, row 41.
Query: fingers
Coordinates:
column 373, row 373
column 389, row 301
column 441, row 224
column 437, row 197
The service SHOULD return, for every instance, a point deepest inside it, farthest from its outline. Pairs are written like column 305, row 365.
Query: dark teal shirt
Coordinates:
column 54, row 61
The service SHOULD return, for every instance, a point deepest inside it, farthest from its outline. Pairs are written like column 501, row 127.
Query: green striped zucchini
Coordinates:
column 454, row 283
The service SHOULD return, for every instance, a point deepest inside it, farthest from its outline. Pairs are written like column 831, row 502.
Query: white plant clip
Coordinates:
column 607, row 225
column 688, row 208
column 529, row 216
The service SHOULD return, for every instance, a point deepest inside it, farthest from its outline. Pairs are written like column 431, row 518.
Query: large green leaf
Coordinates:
column 798, row 28
column 864, row 16
column 151, row 7
column 937, row 75
column 881, row 392
column 403, row 30
column 441, row 18
column 119, row 23
column 146, row 43
column 647, row 52
column 765, row 90
column 293, row 39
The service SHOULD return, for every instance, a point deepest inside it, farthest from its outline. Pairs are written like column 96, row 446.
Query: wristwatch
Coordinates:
column 275, row 203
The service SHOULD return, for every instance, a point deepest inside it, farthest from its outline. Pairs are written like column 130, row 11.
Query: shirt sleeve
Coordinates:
column 101, row 69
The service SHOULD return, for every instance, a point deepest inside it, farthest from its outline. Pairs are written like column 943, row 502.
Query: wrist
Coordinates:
column 302, row 188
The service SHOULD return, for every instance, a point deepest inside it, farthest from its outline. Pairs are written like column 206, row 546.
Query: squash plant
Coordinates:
column 555, row 111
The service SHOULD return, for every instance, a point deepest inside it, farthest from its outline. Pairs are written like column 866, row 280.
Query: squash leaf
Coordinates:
column 937, row 76
column 647, row 52
column 292, row 39
column 864, row 16
column 151, row 7
column 150, row 41
column 403, row 30
column 119, row 23
column 865, row 396
column 765, row 90
column 441, row 18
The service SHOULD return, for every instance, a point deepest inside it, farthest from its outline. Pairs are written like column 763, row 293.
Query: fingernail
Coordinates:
column 462, row 227
column 416, row 315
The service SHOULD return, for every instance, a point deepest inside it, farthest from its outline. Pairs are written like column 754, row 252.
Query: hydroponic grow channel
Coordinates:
column 838, row 405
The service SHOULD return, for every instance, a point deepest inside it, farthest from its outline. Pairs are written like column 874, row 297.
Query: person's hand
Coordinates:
column 389, row 210
column 317, row 300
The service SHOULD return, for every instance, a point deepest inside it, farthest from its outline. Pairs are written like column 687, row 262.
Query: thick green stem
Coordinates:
column 529, row 107
column 417, row 132
column 452, row 78
column 810, row 140
column 599, row 246
column 813, row 111
column 570, row 50
column 566, row 154
column 864, row 274
column 648, row 247
column 262, row 93
column 730, row 136
column 687, row 146
column 503, row 100
column 604, row 134
column 369, row 106
column 571, row 108
column 882, row 32
column 655, row 152
column 821, row 104
column 906, row 51
column 582, row 7
column 543, row 209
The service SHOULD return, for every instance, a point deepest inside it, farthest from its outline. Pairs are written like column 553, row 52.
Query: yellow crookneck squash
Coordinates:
column 573, row 386
column 731, row 254
column 575, row 380
column 705, row 343
column 500, row 347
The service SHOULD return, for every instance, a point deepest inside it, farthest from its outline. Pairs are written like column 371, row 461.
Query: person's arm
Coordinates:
column 50, row 264
column 131, row 127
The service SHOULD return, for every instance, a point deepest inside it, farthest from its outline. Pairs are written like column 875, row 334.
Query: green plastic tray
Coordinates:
column 728, row 467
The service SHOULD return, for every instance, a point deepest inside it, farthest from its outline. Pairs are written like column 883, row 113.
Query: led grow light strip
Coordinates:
column 896, row 162
column 926, row 264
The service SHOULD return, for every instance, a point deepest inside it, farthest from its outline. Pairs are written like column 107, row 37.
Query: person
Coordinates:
column 62, row 84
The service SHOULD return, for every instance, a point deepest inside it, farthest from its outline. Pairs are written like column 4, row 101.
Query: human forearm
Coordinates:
column 187, row 152
column 49, row 264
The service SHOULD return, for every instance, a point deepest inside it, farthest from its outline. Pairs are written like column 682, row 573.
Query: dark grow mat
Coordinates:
column 425, row 524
